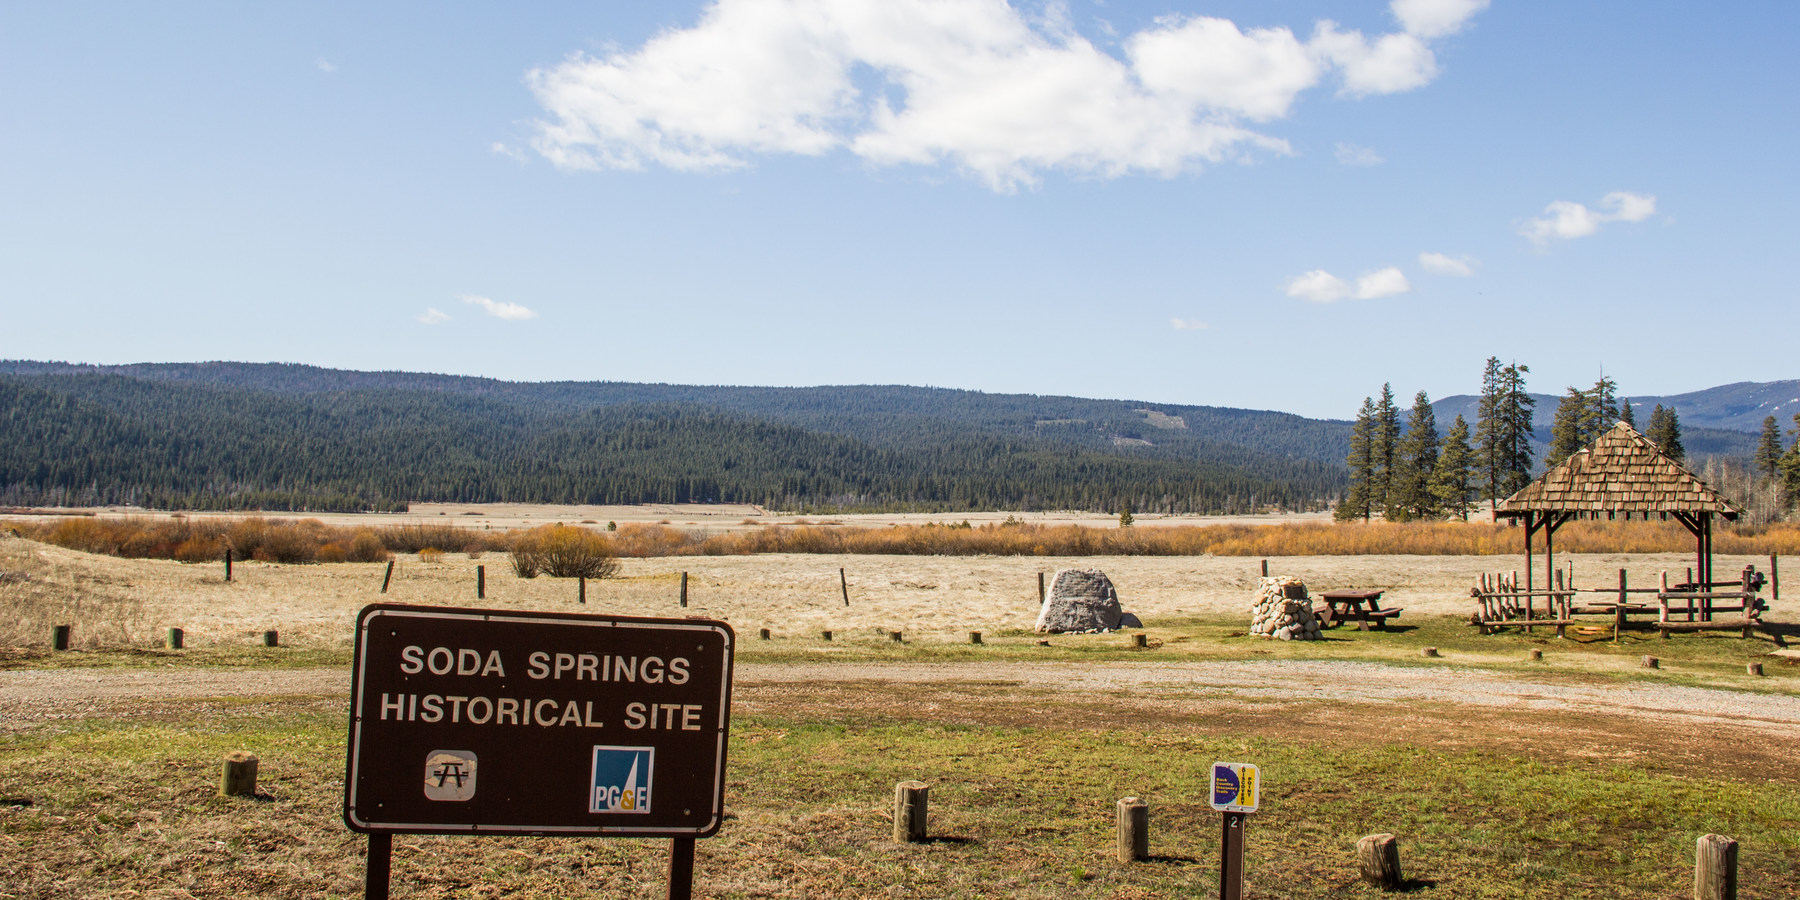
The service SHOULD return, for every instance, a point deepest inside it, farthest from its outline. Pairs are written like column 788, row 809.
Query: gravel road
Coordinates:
column 36, row 696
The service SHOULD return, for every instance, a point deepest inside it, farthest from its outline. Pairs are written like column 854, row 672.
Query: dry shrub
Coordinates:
column 415, row 536
column 431, row 555
column 332, row 552
column 563, row 551
column 291, row 542
column 366, row 546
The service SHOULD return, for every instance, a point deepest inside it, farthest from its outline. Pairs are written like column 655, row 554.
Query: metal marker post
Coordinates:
column 1231, row 857
column 1236, row 792
column 681, row 868
column 381, row 857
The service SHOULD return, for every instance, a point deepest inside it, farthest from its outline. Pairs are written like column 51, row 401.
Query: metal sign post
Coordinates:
column 1236, row 790
column 467, row 721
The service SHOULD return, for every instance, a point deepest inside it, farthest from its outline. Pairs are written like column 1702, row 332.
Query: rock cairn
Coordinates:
column 1282, row 610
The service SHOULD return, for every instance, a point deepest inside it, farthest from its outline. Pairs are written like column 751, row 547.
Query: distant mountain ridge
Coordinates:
column 232, row 435
column 297, row 436
column 1740, row 406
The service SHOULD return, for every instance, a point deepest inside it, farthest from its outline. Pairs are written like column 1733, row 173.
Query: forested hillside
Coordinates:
column 291, row 437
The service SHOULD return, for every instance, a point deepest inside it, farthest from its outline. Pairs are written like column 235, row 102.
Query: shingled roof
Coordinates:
column 1621, row 471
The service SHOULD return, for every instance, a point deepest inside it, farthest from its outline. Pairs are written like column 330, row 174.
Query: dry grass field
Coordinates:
column 1581, row 776
column 791, row 594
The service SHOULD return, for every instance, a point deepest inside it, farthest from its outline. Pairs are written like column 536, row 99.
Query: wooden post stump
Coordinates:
column 844, row 585
column 175, row 638
column 684, row 590
column 1134, row 830
column 1428, row 651
column 227, row 563
column 825, row 635
column 238, row 778
column 1715, row 868
column 910, row 801
column 387, row 577
column 1753, row 669
column 974, row 637
column 481, row 582
column 763, row 634
column 1265, row 568
column 1040, row 588
column 1537, row 656
column 271, row 638
column 1651, row 662
column 1378, row 855
column 581, row 589
column 59, row 637
column 1140, row 641
column 896, row 637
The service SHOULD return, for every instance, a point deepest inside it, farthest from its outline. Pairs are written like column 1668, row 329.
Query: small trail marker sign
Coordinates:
column 481, row 721
column 1235, row 787
column 1236, row 790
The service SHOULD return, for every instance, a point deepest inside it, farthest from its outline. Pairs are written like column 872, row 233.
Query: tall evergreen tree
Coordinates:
column 1790, row 466
column 1566, row 431
column 1515, row 415
column 1665, row 430
column 1601, row 409
column 1768, row 448
column 1414, row 460
column 1387, row 445
column 1452, row 480
column 1490, row 431
column 1625, row 413
column 1357, row 503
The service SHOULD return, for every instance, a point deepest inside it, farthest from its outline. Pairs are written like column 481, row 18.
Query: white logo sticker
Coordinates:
column 450, row 775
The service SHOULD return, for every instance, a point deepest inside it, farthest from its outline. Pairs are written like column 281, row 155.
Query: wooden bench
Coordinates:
column 1350, row 604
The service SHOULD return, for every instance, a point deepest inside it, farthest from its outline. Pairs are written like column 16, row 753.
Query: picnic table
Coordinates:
column 1362, row 606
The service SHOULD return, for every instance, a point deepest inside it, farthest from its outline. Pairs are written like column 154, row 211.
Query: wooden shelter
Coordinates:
column 1622, row 473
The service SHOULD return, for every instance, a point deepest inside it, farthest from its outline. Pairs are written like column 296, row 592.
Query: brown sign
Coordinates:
column 469, row 721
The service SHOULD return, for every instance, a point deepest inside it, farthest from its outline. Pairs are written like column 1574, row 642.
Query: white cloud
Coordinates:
column 434, row 316
column 510, row 152
column 325, row 65
column 1435, row 18
column 1353, row 155
column 1001, row 94
column 1382, row 283
column 511, row 312
column 1389, row 64
column 1567, row 220
column 1320, row 286
column 1443, row 264
column 1188, row 325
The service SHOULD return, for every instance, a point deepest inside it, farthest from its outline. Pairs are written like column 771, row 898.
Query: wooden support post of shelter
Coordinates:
column 1620, row 472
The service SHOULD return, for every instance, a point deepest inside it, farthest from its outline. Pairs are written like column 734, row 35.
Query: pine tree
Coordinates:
column 1515, row 416
column 1414, row 460
column 1625, row 414
column 1566, row 430
column 1490, row 430
column 1768, row 448
column 1357, row 503
column 1790, row 466
column 1601, row 410
column 1387, row 445
column 1665, row 431
column 1451, row 479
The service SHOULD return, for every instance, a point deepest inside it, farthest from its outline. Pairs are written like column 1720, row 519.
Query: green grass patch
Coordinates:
column 106, row 807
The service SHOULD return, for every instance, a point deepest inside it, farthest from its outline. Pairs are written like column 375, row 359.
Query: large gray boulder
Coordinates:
column 1079, row 601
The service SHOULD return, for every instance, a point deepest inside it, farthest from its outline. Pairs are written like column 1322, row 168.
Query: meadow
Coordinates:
column 1496, row 787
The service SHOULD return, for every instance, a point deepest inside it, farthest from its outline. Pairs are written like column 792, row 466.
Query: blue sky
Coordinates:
column 1275, row 205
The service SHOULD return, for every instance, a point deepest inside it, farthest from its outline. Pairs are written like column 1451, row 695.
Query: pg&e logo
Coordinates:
column 621, row 782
